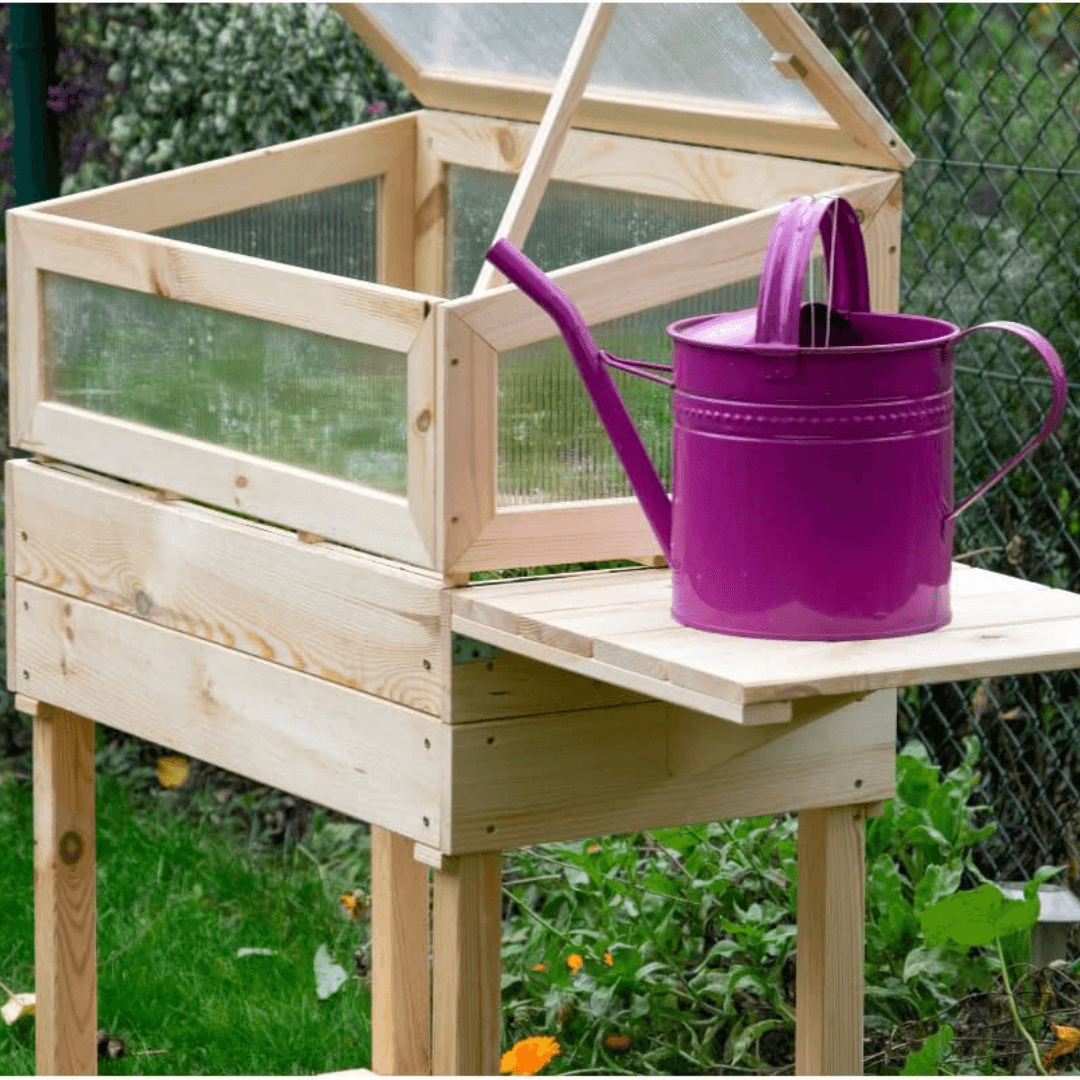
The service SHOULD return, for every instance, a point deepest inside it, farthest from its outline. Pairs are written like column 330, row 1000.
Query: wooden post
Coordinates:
column 467, row 968
column 400, row 981
column 65, row 939
column 829, row 957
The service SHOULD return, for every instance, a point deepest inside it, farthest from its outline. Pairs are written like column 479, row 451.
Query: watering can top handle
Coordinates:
column 1048, row 355
column 787, row 259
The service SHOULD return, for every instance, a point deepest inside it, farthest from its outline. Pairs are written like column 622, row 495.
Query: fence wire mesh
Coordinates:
column 988, row 99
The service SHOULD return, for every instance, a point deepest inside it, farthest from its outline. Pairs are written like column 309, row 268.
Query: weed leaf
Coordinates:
column 976, row 917
column 926, row 1061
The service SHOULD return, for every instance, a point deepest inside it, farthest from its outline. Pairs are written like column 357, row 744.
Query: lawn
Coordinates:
column 177, row 899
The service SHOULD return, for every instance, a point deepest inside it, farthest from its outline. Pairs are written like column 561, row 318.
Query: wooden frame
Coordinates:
column 848, row 129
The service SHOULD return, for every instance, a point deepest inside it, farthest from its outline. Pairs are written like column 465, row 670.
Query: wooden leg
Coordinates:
column 65, row 938
column 467, row 965
column 829, row 957
column 400, row 975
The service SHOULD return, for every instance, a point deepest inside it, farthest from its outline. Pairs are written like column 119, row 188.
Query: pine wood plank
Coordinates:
column 532, row 181
column 567, row 776
column 353, row 619
column 272, row 491
column 645, row 276
column 395, row 240
column 881, row 234
column 400, row 940
column 468, row 389
column 640, row 679
column 25, row 332
column 362, row 755
column 623, row 163
column 467, row 938
column 65, row 924
column 829, row 960
column 257, row 288
column 429, row 215
column 245, row 180
column 423, row 434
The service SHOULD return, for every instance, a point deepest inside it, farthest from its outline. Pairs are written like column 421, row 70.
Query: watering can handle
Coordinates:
column 532, row 281
column 787, row 259
column 1050, row 358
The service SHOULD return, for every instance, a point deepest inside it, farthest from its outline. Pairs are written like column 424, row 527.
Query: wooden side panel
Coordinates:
column 244, row 180
column 566, row 776
column 829, row 960
column 429, row 225
column 25, row 332
column 666, row 169
column 467, row 966
column 349, row 618
column 400, row 975
column 467, row 378
column 269, row 490
column 395, row 239
column 352, row 752
column 290, row 295
column 65, row 926
column 882, row 238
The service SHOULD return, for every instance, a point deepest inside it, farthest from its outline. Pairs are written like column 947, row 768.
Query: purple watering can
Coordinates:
column 813, row 445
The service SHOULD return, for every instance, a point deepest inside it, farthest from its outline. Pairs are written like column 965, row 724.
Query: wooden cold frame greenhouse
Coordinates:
column 279, row 411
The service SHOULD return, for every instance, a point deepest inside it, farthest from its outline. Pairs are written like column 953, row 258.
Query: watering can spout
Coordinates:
column 605, row 395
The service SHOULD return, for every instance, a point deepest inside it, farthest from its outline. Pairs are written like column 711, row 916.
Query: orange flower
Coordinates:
column 574, row 962
column 1068, row 1040
column 617, row 1044
column 542, row 966
column 609, row 959
column 593, row 849
column 528, row 1057
column 172, row 771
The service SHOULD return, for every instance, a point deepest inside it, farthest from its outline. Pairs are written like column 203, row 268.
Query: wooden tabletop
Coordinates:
column 616, row 626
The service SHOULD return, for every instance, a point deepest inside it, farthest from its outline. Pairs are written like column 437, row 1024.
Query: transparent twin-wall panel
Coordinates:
column 552, row 447
column 290, row 395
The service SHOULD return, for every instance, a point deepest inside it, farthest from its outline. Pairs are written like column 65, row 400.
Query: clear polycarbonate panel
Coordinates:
column 552, row 447
column 574, row 223
column 709, row 51
column 334, row 230
column 306, row 399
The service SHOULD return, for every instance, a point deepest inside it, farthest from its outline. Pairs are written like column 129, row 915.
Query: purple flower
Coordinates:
column 65, row 98
column 377, row 108
column 7, row 143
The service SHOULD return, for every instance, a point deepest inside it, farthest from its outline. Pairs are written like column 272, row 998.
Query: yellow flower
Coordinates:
column 172, row 771
column 594, row 849
column 574, row 962
column 609, row 959
column 528, row 1057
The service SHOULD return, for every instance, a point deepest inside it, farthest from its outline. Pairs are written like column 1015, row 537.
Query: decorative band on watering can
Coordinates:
column 812, row 445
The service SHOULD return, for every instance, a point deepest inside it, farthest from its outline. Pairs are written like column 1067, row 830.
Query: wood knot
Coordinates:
column 423, row 421
column 70, row 848
column 508, row 146
column 143, row 603
column 241, row 481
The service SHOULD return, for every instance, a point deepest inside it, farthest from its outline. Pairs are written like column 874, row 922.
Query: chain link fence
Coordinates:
column 988, row 99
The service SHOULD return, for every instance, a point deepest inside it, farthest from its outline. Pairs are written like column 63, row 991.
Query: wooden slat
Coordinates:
column 829, row 957
column 798, row 134
column 65, row 923
column 852, row 110
column 400, row 976
column 529, row 189
column 26, row 333
column 26, row 705
column 269, row 490
column 343, row 616
column 423, row 434
column 515, row 685
column 396, row 240
column 245, row 180
column 640, row 679
column 882, row 237
column 643, row 277
column 9, row 566
column 566, row 776
column 665, row 169
column 467, row 380
column 466, row 973
column 429, row 216
column 290, row 295
column 362, row 755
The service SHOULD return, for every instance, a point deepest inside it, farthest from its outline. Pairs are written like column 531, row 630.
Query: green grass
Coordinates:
column 176, row 900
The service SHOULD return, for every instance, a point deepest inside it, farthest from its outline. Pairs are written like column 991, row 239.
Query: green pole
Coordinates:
column 33, row 71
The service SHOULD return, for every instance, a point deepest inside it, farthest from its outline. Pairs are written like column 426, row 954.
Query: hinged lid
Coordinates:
column 746, row 77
